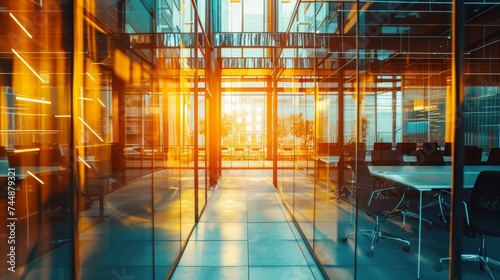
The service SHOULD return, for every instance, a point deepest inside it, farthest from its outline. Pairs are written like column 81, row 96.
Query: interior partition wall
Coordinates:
column 104, row 136
column 383, row 72
column 117, row 117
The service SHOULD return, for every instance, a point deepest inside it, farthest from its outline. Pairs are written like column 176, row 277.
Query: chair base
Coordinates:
column 440, row 201
column 376, row 234
column 482, row 260
column 414, row 215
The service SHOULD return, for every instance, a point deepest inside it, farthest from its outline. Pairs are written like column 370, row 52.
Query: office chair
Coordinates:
column 407, row 148
column 447, row 149
column 382, row 146
column 345, row 175
column 379, row 203
column 387, row 158
column 239, row 153
column 395, row 158
column 430, row 147
column 494, row 156
column 482, row 214
column 429, row 157
column 473, row 155
column 330, row 149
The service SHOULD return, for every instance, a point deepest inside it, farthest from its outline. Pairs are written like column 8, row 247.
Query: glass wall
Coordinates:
column 383, row 72
column 116, row 118
column 36, row 138
column 103, row 137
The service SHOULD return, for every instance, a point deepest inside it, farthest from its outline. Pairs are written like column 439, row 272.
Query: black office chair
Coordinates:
column 482, row 214
column 387, row 158
column 494, row 156
column 473, row 155
column 430, row 147
column 378, row 202
column 345, row 176
column 447, row 149
column 407, row 148
column 429, row 157
column 382, row 146
column 395, row 158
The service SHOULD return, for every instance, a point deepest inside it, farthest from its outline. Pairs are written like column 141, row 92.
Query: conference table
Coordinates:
column 407, row 159
column 422, row 178
column 427, row 178
column 333, row 160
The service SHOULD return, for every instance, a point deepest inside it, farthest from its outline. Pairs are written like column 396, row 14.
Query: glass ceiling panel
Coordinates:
column 138, row 19
column 232, row 21
column 253, row 17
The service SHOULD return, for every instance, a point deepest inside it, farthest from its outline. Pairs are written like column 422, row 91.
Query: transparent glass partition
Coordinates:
column 35, row 141
column 480, row 121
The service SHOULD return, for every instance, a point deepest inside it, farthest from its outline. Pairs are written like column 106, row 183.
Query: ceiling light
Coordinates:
column 20, row 25
column 27, row 65
column 33, row 100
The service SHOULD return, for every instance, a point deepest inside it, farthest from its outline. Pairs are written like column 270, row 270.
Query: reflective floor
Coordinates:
column 246, row 233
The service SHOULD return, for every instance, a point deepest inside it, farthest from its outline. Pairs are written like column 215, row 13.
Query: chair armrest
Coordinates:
column 376, row 194
column 466, row 208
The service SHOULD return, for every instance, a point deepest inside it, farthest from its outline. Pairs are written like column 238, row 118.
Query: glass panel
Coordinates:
column 481, row 124
column 253, row 19
column 116, row 110
column 244, row 136
column 115, row 115
column 35, row 140
column 232, row 21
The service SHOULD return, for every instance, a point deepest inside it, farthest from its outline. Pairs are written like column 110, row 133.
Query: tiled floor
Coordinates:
column 246, row 233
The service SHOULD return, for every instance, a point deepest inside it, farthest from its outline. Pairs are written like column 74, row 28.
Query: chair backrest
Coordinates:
column 473, row 155
column 484, row 204
column 430, row 147
column 347, row 158
column 494, row 156
column 373, row 199
column 447, row 149
column 387, row 157
column 118, row 161
column 382, row 146
column 330, row 149
column 407, row 148
column 23, row 159
column 433, row 158
column 349, row 155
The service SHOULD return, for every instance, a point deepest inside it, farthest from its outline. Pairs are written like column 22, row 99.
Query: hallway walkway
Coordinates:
column 246, row 233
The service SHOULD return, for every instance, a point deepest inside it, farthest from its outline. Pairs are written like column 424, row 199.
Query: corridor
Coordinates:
column 246, row 233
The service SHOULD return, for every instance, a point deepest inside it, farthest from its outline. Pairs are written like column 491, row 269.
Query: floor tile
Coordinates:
column 281, row 273
column 220, row 231
column 272, row 215
column 270, row 231
column 246, row 233
column 275, row 252
column 215, row 253
column 210, row 273
column 224, row 216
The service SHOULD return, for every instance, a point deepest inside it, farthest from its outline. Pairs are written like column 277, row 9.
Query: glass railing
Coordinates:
column 241, row 39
